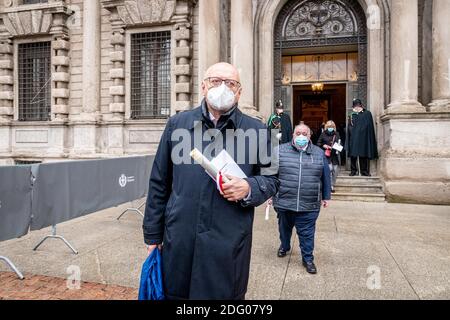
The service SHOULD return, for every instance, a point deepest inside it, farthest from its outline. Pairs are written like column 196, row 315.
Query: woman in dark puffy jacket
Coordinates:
column 326, row 141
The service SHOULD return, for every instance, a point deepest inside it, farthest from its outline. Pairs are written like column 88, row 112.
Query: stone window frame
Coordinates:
column 16, row 43
column 128, row 33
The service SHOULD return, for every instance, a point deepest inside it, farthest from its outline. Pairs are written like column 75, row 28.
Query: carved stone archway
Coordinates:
column 321, row 23
column 377, row 14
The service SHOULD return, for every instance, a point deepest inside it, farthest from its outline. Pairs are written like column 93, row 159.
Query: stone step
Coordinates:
column 363, row 197
column 347, row 174
column 358, row 188
column 363, row 188
column 345, row 180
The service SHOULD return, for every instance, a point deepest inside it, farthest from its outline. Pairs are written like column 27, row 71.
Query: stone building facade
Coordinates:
column 83, row 79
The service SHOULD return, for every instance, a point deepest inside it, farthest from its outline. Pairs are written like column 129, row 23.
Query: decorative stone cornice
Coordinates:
column 24, row 20
column 142, row 12
column 419, row 116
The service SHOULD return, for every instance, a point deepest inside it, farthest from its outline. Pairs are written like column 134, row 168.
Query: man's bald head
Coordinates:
column 223, row 70
column 302, row 129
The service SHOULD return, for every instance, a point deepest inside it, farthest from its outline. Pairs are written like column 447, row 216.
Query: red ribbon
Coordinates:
column 220, row 181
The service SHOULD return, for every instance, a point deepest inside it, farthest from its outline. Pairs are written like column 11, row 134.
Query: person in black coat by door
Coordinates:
column 362, row 142
column 281, row 121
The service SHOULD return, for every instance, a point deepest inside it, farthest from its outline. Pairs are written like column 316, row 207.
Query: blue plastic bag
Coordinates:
column 151, row 287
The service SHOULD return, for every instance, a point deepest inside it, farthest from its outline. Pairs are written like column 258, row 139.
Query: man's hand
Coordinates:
column 153, row 247
column 236, row 189
column 326, row 203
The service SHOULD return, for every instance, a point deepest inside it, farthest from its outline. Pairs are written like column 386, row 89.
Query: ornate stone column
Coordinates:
column 242, row 45
column 6, row 95
column 404, row 57
column 85, row 124
column 117, row 73
column 209, row 35
column 116, row 117
column 242, row 51
column 414, row 172
column 91, row 57
column 60, row 64
column 441, row 56
column 183, row 55
column 6, row 80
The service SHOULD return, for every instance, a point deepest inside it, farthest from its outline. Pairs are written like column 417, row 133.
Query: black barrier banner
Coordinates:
column 67, row 190
column 15, row 201
column 124, row 180
column 148, row 167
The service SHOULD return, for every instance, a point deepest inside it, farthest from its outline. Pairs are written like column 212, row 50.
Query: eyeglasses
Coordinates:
column 217, row 82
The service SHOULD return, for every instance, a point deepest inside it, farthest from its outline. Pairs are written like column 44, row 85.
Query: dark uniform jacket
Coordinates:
column 285, row 127
column 361, row 132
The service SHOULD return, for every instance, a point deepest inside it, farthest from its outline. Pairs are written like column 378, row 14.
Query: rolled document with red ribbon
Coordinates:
column 207, row 165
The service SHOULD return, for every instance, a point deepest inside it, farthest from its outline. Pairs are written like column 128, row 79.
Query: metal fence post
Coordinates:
column 55, row 236
column 12, row 266
column 137, row 210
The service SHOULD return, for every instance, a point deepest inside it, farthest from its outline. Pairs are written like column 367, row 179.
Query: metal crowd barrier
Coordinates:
column 15, row 205
column 53, row 235
column 137, row 210
column 38, row 196
column 12, row 266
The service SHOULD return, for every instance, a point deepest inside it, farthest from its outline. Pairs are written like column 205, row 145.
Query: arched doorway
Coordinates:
column 322, row 42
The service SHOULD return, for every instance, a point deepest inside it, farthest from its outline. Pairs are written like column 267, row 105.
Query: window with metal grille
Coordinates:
column 34, row 1
column 150, row 75
column 34, row 81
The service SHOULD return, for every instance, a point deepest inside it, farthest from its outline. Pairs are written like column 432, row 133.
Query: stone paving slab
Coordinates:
column 363, row 251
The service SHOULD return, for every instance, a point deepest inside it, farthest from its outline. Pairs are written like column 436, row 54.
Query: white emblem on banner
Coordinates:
column 123, row 180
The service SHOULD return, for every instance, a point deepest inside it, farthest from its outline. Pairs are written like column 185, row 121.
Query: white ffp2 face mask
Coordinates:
column 221, row 98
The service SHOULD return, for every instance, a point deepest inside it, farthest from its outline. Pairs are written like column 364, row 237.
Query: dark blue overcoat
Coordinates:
column 206, row 239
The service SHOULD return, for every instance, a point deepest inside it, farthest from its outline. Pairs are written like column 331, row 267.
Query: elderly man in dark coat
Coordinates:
column 305, row 185
column 206, row 235
column 362, row 142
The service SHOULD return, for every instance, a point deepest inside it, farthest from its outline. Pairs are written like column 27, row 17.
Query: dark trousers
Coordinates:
column 363, row 165
column 305, row 224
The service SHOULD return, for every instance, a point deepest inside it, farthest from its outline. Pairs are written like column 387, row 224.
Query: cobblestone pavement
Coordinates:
column 35, row 287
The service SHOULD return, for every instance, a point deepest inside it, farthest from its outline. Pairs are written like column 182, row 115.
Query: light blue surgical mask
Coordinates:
column 301, row 141
column 330, row 130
